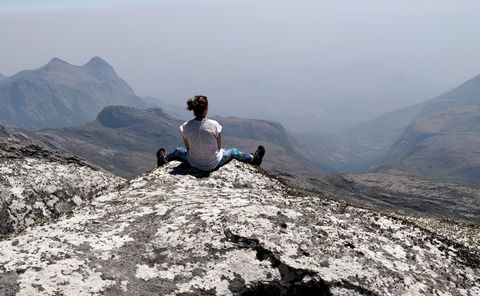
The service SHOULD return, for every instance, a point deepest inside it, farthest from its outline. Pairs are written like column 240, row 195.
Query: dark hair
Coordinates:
column 198, row 105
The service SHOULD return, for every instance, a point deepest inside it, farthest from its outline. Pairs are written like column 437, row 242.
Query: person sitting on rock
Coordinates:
column 203, row 142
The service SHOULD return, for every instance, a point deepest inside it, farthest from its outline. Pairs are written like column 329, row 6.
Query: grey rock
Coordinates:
column 236, row 232
column 38, row 184
column 21, row 147
column 8, row 283
column 20, row 135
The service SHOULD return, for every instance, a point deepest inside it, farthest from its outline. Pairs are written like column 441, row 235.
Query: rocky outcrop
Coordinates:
column 20, row 135
column 38, row 184
column 173, row 231
column 12, row 148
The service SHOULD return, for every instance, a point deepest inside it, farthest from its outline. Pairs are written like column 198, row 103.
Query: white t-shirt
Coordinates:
column 202, row 137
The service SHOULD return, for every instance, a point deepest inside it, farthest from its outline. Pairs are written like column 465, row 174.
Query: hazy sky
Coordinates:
column 305, row 63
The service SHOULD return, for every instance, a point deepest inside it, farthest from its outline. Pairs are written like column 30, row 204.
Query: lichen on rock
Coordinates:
column 238, row 231
column 33, row 189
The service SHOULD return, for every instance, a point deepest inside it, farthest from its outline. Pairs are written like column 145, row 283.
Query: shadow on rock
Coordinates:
column 186, row 169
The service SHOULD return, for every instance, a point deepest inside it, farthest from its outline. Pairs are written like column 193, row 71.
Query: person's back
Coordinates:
column 203, row 142
column 202, row 136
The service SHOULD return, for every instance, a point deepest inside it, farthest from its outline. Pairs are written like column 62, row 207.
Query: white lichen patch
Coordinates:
column 146, row 272
column 65, row 277
column 124, row 286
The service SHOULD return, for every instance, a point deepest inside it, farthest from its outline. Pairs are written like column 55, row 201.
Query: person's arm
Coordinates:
column 219, row 141
column 185, row 142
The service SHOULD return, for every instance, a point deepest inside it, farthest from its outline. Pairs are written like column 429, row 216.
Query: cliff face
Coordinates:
column 173, row 231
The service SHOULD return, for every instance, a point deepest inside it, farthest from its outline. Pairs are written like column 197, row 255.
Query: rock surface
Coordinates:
column 37, row 184
column 20, row 136
column 173, row 231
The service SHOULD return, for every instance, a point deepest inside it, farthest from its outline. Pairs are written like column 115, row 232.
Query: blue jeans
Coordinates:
column 180, row 154
column 230, row 154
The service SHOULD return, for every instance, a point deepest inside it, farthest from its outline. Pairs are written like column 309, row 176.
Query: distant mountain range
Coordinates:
column 69, row 104
column 443, row 145
column 60, row 94
column 436, row 139
column 90, row 111
column 386, row 129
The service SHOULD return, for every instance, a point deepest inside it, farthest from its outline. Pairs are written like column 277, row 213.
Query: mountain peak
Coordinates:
column 100, row 68
column 96, row 60
column 57, row 62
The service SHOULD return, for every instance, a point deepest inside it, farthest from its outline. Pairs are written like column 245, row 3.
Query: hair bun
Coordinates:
column 198, row 105
column 190, row 104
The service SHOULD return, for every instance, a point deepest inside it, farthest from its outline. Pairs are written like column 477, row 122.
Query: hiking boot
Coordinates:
column 160, row 157
column 258, row 155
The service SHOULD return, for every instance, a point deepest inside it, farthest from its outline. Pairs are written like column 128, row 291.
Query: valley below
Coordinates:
column 401, row 194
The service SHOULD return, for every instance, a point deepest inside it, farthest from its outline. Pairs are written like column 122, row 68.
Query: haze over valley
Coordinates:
column 314, row 66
